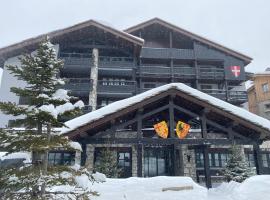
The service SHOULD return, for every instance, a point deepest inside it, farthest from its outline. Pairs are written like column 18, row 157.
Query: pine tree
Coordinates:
column 47, row 106
column 107, row 164
column 237, row 168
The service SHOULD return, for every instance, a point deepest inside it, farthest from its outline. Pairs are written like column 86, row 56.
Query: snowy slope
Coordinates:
column 118, row 105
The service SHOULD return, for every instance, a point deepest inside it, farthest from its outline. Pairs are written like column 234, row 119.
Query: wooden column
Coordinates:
column 171, row 39
column 139, row 145
column 171, row 70
column 196, row 74
column 208, row 182
column 258, row 159
column 83, row 154
column 226, row 90
column 205, row 153
column 171, row 116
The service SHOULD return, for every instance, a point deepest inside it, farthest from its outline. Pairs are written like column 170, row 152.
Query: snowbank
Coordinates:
column 99, row 177
column 254, row 188
column 148, row 189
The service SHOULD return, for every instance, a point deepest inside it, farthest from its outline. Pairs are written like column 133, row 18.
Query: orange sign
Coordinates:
column 161, row 129
column 182, row 129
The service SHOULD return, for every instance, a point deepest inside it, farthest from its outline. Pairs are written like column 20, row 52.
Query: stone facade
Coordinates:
column 188, row 161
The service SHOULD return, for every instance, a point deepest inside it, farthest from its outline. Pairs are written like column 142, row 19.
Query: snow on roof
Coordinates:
column 17, row 155
column 119, row 105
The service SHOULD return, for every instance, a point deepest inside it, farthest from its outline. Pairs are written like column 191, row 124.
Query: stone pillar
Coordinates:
column 134, row 161
column 89, row 163
column 94, row 79
column 188, row 160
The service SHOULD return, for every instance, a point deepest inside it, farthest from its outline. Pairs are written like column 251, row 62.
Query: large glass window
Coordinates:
column 250, row 159
column 61, row 158
column 157, row 162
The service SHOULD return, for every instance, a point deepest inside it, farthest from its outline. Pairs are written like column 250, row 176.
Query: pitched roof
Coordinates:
column 204, row 40
column 115, row 107
column 15, row 49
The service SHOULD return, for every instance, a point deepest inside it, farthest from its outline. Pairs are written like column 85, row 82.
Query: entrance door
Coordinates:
column 124, row 163
column 157, row 161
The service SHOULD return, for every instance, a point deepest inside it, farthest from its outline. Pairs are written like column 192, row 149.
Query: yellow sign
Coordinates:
column 182, row 129
column 161, row 129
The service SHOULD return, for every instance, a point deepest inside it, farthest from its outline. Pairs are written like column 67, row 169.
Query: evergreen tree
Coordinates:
column 47, row 105
column 237, row 168
column 107, row 164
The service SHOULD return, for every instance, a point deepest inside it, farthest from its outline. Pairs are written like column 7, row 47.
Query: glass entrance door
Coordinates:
column 157, row 161
column 124, row 163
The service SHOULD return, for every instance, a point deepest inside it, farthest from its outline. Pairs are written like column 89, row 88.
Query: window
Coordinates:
column 224, row 159
column 250, row 159
column 199, row 160
column 265, row 87
column 264, row 160
column 267, row 106
column 61, row 158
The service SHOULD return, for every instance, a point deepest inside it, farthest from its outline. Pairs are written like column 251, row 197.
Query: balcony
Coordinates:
column 167, row 53
column 119, row 89
column 210, row 72
column 234, row 96
column 155, row 70
column 237, row 96
column 79, row 86
column 75, row 59
column 184, row 72
column 218, row 93
column 87, row 109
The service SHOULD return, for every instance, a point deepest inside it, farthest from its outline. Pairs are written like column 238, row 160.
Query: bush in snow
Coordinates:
column 237, row 169
column 47, row 106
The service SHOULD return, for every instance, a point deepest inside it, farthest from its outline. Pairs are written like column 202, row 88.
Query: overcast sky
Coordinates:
column 243, row 25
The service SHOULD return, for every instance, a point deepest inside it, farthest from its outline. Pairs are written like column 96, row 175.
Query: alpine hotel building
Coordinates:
column 153, row 75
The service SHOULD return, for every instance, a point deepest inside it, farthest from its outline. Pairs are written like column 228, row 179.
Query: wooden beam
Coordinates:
column 118, row 114
column 171, row 117
column 132, row 121
column 210, row 122
column 208, row 181
column 168, row 141
column 258, row 159
column 83, row 154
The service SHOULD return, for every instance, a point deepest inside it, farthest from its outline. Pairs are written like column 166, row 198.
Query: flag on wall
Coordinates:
column 182, row 129
column 161, row 129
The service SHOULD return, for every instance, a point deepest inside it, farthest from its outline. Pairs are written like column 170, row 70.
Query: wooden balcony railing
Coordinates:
column 104, row 61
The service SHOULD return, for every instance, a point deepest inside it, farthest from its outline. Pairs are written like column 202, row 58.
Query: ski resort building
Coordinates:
column 153, row 72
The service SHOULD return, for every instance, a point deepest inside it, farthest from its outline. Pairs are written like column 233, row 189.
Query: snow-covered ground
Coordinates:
column 255, row 188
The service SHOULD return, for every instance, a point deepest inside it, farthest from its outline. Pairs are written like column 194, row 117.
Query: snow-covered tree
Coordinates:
column 107, row 163
column 237, row 168
column 47, row 106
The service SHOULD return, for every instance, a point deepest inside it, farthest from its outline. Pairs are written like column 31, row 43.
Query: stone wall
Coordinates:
column 188, row 161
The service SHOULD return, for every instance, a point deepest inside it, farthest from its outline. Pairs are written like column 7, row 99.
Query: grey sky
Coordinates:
column 242, row 25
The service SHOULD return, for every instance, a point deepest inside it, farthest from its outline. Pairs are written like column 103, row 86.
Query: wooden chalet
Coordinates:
column 126, row 127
